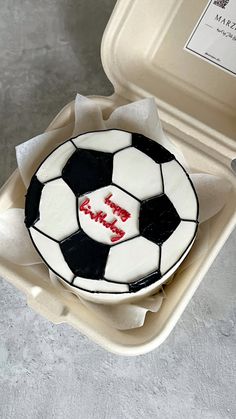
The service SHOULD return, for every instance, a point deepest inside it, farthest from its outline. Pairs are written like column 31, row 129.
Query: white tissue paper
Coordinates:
column 141, row 117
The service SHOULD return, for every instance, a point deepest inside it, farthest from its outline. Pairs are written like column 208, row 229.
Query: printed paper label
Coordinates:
column 214, row 37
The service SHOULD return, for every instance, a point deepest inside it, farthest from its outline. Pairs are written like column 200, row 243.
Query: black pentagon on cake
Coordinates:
column 158, row 219
column 85, row 257
column 88, row 170
column 144, row 282
column 151, row 148
column 32, row 202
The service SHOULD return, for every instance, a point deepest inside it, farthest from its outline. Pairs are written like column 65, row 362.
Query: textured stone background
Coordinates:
column 49, row 50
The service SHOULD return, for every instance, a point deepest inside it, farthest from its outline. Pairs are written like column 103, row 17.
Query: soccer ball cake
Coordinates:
column 112, row 214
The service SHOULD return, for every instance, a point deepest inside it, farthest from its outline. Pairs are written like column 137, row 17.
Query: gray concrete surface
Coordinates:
column 49, row 50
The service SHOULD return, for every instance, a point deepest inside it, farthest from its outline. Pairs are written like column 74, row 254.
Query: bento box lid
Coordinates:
column 143, row 55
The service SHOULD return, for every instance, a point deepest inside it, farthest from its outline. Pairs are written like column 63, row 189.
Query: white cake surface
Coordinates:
column 135, row 258
column 137, row 173
column 170, row 252
column 51, row 253
column 54, row 163
column 58, row 217
column 179, row 190
column 100, row 285
column 105, row 200
column 108, row 141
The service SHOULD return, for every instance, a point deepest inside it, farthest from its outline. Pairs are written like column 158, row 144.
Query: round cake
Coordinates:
column 112, row 214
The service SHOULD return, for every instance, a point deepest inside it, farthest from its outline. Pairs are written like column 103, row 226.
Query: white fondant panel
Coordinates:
column 179, row 190
column 130, row 261
column 96, row 229
column 55, row 162
column 137, row 173
column 57, row 210
column 99, row 285
column 51, row 253
column 106, row 141
column 176, row 245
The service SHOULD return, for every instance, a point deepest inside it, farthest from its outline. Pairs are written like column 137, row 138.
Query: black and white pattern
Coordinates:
column 221, row 3
column 140, row 176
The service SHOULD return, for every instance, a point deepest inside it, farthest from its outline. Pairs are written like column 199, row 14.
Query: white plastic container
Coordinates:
column 142, row 54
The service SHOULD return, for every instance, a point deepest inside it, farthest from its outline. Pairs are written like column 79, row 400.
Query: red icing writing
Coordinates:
column 116, row 209
column 100, row 217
